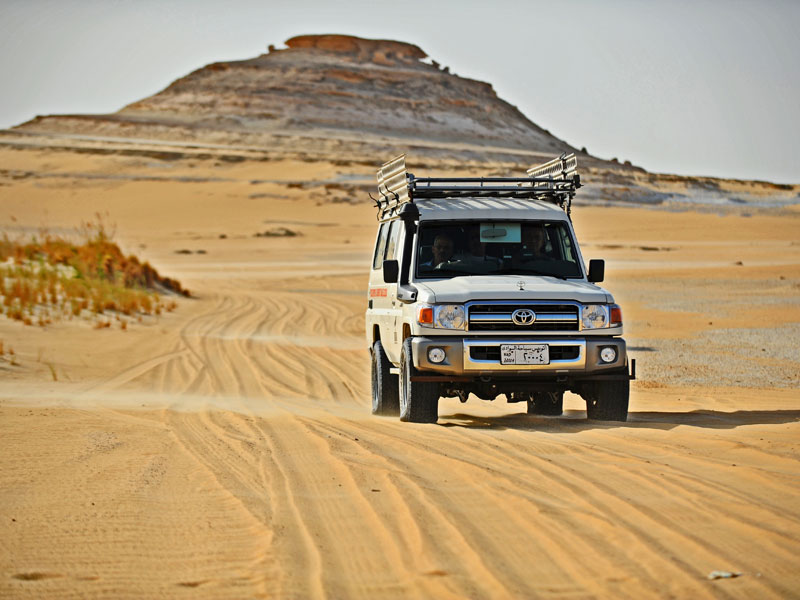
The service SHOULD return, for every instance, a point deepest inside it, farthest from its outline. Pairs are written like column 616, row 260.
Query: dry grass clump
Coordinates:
column 51, row 278
column 7, row 354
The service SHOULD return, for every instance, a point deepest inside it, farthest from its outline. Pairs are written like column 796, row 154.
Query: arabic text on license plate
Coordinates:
column 524, row 354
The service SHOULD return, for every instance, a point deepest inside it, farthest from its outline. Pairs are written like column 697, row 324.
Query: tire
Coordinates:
column 546, row 403
column 384, row 385
column 419, row 400
column 608, row 401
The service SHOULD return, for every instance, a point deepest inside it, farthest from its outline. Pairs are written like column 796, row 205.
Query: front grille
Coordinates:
column 493, row 353
column 497, row 317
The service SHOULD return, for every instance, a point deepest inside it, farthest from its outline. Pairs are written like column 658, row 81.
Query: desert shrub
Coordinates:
column 49, row 277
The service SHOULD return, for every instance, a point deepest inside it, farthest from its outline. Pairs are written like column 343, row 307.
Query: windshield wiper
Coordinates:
column 518, row 271
column 442, row 272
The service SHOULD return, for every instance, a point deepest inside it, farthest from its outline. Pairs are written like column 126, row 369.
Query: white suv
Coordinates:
column 478, row 286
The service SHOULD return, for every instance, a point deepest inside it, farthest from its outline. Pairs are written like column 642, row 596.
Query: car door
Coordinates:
column 391, row 337
column 377, row 301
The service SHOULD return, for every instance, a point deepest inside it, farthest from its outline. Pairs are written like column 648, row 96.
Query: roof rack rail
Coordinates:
column 555, row 181
column 559, row 168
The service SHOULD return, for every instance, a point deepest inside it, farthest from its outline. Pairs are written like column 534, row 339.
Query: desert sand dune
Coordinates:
column 226, row 450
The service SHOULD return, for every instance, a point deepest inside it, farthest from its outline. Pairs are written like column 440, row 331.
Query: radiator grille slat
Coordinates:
column 497, row 317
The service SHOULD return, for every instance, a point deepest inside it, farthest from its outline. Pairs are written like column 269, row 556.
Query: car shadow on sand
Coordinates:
column 575, row 420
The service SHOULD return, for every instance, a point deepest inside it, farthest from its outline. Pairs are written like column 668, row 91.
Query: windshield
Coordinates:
column 452, row 248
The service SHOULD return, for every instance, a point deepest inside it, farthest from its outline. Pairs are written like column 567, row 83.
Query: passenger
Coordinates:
column 442, row 250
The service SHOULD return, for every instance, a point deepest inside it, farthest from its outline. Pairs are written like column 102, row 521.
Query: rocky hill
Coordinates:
column 348, row 85
column 324, row 86
column 353, row 101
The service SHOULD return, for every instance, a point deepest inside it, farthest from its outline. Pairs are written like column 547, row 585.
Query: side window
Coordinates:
column 562, row 245
column 391, row 247
column 380, row 246
column 568, row 252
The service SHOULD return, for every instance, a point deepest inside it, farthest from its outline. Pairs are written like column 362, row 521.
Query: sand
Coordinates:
column 226, row 449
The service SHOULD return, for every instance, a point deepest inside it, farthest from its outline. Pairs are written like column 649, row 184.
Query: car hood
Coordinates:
column 507, row 287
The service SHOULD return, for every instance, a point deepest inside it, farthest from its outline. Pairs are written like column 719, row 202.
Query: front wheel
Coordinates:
column 546, row 403
column 419, row 400
column 384, row 384
column 608, row 400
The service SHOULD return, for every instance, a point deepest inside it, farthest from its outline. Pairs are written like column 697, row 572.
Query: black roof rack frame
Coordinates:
column 555, row 181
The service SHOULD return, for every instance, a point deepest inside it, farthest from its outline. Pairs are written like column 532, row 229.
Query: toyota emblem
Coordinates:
column 523, row 316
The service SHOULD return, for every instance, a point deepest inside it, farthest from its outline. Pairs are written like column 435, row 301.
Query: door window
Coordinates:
column 380, row 246
column 391, row 247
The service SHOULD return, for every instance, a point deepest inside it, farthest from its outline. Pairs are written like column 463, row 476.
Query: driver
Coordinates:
column 533, row 247
column 534, row 243
column 534, row 240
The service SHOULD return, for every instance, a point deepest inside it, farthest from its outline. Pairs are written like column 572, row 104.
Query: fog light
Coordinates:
column 436, row 355
column 608, row 354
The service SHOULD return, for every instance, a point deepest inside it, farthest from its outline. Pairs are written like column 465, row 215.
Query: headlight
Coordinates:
column 449, row 316
column 443, row 316
column 594, row 316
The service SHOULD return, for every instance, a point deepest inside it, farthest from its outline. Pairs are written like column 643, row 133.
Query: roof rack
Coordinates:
column 555, row 181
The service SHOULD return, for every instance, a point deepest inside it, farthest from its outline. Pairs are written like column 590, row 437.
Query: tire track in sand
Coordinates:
column 471, row 511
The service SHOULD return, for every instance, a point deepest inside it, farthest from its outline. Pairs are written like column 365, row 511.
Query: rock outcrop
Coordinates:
column 381, row 52
column 330, row 87
column 347, row 101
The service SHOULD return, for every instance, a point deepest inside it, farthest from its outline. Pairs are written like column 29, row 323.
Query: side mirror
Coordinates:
column 391, row 269
column 597, row 270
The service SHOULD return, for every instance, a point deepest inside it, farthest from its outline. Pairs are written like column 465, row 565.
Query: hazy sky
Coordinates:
column 707, row 88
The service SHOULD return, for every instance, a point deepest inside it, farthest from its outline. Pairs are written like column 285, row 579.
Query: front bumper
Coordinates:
column 478, row 356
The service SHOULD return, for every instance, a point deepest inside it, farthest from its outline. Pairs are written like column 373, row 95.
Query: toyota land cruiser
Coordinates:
column 478, row 286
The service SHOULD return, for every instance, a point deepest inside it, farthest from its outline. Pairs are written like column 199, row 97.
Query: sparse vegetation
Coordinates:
column 50, row 278
column 7, row 355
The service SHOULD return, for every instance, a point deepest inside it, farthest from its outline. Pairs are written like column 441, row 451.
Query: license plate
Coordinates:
column 524, row 354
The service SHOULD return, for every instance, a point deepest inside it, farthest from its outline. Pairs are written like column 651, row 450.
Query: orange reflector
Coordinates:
column 616, row 315
column 425, row 315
